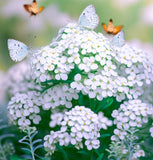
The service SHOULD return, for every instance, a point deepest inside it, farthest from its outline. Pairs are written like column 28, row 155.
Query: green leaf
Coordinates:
column 65, row 156
column 105, row 103
column 6, row 136
column 80, row 100
column 49, row 81
column 3, row 126
column 100, row 156
column 97, row 152
column 26, row 149
column 25, row 138
column 14, row 157
column 83, row 152
column 40, row 157
column 39, row 146
column 55, row 81
column 105, row 135
column 27, row 157
column 92, row 104
column 33, row 134
column 36, row 141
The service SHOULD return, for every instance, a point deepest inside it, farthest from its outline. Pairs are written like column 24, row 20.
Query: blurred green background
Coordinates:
column 135, row 15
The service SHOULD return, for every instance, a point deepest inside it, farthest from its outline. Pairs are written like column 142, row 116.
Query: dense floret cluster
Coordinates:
column 69, row 82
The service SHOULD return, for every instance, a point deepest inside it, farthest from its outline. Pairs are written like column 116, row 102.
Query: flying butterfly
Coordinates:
column 111, row 29
column 118, row 40
column 17, row 50
column 88, row 18
column 33, row 8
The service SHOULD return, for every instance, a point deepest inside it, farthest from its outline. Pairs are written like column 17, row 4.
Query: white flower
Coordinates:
column 58, row 95
column 101, row 57
column 88, row 64
column 131, row 114
column 24, row 108
column 23, row 122
column 103, row 121
column 139, row 153
column 35, row 118
column 120, row 133
column 77, row 83
column 74, row 58
column 56, row 119
column 92, row 144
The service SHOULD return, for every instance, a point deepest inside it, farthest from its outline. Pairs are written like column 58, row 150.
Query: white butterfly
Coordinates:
column 17, row 50
column 118, row 40
column 88, row 18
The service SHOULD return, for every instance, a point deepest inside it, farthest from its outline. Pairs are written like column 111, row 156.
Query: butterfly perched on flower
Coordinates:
column 17, row 50
column 118, row 40
column 111, row 29
column 88, row 18
column 33, row 8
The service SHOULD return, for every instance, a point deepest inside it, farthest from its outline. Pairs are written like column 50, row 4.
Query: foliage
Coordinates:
column 31, row 144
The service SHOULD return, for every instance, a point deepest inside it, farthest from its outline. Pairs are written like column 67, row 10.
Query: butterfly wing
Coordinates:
column 105, row 27
column 118, row 40
column 40, row 9
column 27, row 7
column 84, row 21
column 89, row 18
column 17, row 50
column 117, row 29
column 33, row 9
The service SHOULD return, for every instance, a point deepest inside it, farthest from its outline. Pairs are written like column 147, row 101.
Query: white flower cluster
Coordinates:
column 19, row 79
column 104, row 70
column 48, row 60
column 58, row 95
column 131, row 114
column 79, row 124
column 137, row 69
column 129, row 117
column 24, row 109
column 120, row 150
column 138, row 153
column 57, row 117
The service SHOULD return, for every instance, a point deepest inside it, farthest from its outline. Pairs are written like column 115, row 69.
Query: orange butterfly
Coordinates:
column 33, row 8
column 111, row 29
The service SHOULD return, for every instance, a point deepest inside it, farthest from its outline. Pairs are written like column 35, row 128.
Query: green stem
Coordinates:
column 2, row 152
column 91, row 155
column 31, row 146
column 130, row 152
column 92, row 104
column 55, row 83
column 130, row 146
